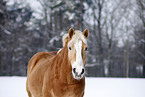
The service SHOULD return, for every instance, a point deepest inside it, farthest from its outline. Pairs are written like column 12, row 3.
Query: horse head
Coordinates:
column 77, row 51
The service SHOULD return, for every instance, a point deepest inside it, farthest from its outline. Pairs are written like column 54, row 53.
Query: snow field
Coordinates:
column 95, row 87
column 115, row 87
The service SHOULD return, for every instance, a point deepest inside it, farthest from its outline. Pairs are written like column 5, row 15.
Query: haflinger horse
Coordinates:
column 59, row 74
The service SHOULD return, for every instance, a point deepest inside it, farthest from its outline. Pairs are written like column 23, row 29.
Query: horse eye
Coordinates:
column 69, row 48
column 86, row 48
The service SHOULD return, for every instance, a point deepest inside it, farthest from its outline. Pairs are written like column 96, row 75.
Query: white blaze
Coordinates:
column 78, row 64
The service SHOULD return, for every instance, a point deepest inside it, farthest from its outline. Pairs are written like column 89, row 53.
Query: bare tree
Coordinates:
column 141, row 10
column 140, row 34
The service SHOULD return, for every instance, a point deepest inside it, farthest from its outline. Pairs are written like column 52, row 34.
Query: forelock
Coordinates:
column 79, row 36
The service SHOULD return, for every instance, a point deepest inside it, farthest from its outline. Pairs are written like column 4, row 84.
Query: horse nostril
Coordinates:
column 83, row 70
column 74, row 70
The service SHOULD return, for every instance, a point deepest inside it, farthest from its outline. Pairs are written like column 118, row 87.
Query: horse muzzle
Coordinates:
column 78, row 73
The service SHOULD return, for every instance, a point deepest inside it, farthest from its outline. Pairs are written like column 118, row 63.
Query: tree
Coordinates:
column 140, row 35
column 13, row 39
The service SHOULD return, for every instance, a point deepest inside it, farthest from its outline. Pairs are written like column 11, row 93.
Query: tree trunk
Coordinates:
column 79, row 13
column 126, row 60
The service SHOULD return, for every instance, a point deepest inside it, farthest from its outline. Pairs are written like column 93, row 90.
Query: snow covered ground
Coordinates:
column 95, row 87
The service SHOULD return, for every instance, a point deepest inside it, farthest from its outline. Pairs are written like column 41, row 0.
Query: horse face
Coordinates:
column 77, row 52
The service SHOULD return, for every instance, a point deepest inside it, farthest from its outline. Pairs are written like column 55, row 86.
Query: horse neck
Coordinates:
column 65, row 69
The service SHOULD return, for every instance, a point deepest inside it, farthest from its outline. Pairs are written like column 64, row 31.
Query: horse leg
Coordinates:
column 27, row 88
column 83, row 94
column 46, row 92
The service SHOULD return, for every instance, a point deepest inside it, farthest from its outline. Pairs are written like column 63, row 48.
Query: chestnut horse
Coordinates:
column 59, row 74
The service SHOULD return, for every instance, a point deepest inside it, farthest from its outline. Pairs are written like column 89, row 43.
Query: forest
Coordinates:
column 116, row 43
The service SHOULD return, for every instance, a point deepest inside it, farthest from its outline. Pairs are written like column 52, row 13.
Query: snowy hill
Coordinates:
column 95, row 87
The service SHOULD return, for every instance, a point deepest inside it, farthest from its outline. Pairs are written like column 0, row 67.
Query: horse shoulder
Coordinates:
column 48, row 83
column 39, row 57
column 37, row 67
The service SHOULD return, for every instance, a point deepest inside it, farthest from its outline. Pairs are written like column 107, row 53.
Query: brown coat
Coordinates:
column 49, row 75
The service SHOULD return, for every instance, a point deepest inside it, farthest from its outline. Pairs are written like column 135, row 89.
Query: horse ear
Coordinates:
column 71, row 32
column 86, row 33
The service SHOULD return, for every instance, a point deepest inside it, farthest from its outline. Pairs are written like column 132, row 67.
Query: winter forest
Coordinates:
column 116, row 44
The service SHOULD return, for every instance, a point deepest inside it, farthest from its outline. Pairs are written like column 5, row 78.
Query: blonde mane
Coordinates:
column 79, row 36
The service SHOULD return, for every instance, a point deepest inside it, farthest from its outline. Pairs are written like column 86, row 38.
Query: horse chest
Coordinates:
column 68, row 91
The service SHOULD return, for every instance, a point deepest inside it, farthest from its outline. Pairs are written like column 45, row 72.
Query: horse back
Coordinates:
column 39, row 58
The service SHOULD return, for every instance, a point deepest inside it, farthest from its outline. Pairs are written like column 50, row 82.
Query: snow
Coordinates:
column 35, row 6
column 95, row 87
column 13, row 87
column 70, row 15
column 115, row 87
column 56, row 38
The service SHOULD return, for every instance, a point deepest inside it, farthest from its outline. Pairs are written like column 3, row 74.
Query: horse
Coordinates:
column 59, row 74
